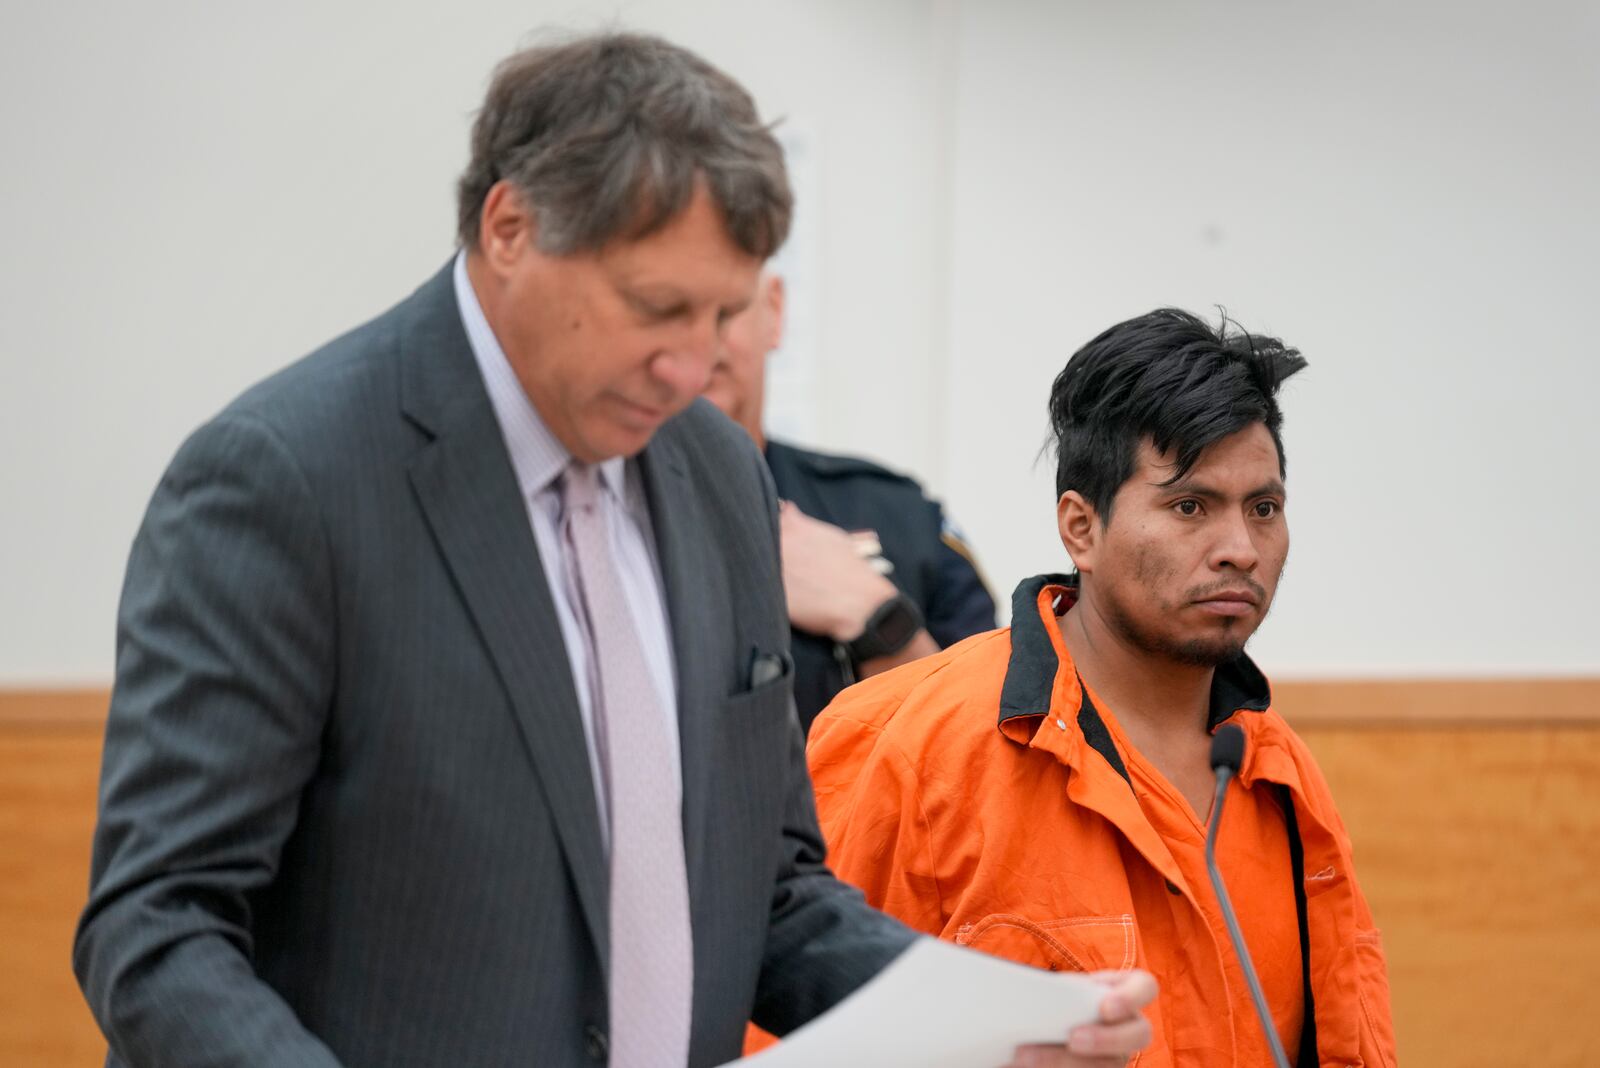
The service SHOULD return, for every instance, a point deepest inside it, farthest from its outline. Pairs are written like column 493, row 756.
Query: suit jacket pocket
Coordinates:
column 751, row 752
column 751, row 759
column 772, row 694
column 1073, row 943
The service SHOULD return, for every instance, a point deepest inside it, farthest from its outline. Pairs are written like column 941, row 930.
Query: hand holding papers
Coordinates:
column 940, row 1006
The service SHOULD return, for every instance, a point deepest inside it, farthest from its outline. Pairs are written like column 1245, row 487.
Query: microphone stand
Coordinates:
column 1227, row 753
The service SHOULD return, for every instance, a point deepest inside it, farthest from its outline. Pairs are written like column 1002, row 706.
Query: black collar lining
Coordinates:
column 1098, row 736
column 1031, row 673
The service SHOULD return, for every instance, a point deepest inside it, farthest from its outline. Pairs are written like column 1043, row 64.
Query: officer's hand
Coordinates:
column 1121, row 1031
column 832, row 589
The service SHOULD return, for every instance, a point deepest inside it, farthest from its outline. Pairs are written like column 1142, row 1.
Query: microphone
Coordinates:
column 1227, row 753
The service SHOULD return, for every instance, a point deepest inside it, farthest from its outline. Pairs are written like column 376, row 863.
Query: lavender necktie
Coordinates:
column 652, row 955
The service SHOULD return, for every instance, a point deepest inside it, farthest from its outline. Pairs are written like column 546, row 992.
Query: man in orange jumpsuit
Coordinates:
column 1042, row 792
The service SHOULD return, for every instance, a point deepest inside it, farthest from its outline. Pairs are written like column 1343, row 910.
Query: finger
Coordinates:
column 1129, row 993
column 1113, row 1039
column 1061, row 1057
column 866, row 543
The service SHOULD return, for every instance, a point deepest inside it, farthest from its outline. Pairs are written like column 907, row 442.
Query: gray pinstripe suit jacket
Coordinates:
column 346, row 814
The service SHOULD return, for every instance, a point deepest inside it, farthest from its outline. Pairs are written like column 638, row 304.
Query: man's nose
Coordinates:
column 1235, row 546
column 686, row 366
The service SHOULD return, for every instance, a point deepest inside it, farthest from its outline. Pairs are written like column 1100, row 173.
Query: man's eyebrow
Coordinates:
column 666, row 296
column 1188, row 487
column 1191, row 488
column 661, row 292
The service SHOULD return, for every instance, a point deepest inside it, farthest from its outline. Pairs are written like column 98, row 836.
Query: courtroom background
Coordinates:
column 196, row 193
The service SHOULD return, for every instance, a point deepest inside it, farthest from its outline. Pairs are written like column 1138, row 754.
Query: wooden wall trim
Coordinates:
column 1304, row 702
column 1439, row 702
column 82, row 707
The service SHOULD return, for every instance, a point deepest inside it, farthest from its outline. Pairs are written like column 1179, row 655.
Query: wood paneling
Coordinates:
column 1479, row 850
column 48, row 780
column 1474, row 807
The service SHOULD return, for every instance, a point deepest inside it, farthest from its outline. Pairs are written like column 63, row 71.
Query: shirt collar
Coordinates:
column 537, row 455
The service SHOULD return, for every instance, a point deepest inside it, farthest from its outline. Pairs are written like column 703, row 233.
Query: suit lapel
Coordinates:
column 697, row 602
column 468, row 491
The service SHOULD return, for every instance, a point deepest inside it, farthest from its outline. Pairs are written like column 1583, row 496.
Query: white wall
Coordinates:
column 1407, row 192
column 196, row 193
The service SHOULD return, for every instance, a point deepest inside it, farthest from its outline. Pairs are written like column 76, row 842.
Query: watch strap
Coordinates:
column 889, row 629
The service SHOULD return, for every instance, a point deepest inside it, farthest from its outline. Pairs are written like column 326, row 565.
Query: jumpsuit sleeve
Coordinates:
column 870, row 807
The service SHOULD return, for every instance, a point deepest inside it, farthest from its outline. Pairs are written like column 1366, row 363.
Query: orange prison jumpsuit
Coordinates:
column 1048, row 840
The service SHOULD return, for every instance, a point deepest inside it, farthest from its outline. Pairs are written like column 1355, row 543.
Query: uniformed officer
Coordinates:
column 874, row 574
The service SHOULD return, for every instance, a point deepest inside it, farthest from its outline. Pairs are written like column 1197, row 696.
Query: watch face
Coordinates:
column 897, row 627
column 894, row 624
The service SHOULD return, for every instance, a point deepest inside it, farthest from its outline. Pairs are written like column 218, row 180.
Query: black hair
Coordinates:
column 1169, row 377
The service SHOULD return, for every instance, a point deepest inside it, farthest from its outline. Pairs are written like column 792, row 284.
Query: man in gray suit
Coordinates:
column 452, row 717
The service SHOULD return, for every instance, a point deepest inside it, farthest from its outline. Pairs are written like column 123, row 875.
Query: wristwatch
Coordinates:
column 889, row 629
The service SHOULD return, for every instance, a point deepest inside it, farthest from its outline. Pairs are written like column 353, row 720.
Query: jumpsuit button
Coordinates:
column 1172, row 888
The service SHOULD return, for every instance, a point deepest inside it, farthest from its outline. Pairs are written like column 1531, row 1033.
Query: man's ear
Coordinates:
column 505, row 228
column 1079, row 525
column 774, row 296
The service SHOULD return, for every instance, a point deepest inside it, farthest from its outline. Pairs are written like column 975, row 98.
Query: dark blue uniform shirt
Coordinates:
column 931, row 563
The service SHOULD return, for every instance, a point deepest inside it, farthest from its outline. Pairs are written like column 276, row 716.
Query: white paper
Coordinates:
column 941, row 1006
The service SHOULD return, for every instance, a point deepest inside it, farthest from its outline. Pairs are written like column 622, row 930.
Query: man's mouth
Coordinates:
column 639, row 413
column 1234, row 602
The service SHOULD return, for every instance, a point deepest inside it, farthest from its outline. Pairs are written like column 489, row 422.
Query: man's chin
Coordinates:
column 1206, row 647
column 1214, row 649
column 616, row 440
column 724, row 400
column 1207, row 652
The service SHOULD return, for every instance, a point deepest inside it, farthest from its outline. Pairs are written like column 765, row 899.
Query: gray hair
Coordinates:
column 606, row 136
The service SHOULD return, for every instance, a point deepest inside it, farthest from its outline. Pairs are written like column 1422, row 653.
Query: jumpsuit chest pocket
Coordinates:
column 1072, row 943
